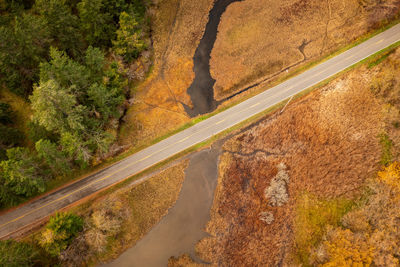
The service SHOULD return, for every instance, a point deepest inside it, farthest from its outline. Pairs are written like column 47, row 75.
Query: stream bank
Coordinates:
column 183, row 227
column 201, row 91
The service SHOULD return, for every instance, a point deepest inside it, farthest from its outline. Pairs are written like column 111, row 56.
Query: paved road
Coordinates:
column 30, row 213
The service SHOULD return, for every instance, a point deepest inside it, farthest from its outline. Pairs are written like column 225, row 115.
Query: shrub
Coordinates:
column 277, row 193
column 386, row 144
column 344, row 248
column 60, row 232
column 391, row 175
column 17, row 254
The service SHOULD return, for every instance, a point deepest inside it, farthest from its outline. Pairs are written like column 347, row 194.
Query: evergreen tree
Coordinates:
column 57, row 109
column 21, row 173
column 62, row 24
column 129, row 43
column 23, row 45
column 55, row 159
column 97, row 24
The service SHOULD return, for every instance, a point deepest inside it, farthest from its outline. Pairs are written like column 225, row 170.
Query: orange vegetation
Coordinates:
column 329, row 140
column 177, row 29
column 262, row 38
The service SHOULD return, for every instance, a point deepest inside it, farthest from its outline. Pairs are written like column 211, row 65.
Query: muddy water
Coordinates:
column 201, row 90
column 179, row 231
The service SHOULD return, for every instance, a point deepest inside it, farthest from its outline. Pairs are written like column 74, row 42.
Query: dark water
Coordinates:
column 201, row 90
column 183, row 227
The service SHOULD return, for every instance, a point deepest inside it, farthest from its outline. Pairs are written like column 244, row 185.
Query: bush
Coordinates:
column 277, row 193
column 386, row 144
column 60, row 232
column 344, row 248
column 17, row 254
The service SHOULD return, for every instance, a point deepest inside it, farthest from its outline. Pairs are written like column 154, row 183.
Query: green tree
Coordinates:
column 62, row 24
column 18, row 254
column 96, row 24
column 77, row 148
column 130, row 42
column 77, row 100
column 55, row 159
column 68, row 73
column 23, row 45
column 94, row 62
column 105, row 100
column 5, row 113
column 56, row 108
column 9, row 136
column 60, row 231
column 22, row 173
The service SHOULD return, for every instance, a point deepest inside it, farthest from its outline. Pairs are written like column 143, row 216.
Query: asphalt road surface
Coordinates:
column 32, row 212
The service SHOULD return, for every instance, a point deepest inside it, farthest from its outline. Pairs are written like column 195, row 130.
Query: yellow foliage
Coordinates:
column 47, row 237
column 391, row 175
column 347, row 249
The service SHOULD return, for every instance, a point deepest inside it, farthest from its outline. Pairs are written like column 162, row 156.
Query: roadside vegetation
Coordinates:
column 341, row 148
column 64, row 83
column 101, row 229
column 73, row 84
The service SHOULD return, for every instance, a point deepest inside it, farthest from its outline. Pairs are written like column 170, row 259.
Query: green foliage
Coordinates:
column 129, row 43
column 67, row 73
column 37, row 132
column 18, row 254
column 77, row 100
column 312, row 217
column 77, row 148
column 23, row 45
column 75, row 92
column 94, row 63
column 380, row 59
column 96, row 24
column 21, row 173
column 5, row 113
column 56, row 108
column 60, row 231
column 62, row 24
column 55, row 159
column 386, row 144
column 9, row 136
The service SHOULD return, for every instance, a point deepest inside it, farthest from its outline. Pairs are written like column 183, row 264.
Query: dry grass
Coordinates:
column 264, row 37
column 183, row 261
column 118, row 220
column 329, row 142
column 261, row 38
column 177, row 29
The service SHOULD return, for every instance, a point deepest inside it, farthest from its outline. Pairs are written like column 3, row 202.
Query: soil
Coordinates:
column 329, row 142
